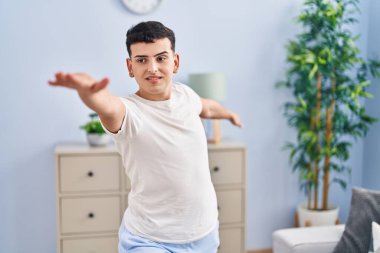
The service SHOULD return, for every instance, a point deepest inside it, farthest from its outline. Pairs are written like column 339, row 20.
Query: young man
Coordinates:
column 158, row 132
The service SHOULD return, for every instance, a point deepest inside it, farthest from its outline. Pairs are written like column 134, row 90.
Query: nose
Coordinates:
column 152, row 68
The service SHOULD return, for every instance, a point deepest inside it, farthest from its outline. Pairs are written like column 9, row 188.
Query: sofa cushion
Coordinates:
column 321, row 239
column 376, row 237
column 365, row 208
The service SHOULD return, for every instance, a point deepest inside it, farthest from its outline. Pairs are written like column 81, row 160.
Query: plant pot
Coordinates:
column 98, row 140
column 307, row 218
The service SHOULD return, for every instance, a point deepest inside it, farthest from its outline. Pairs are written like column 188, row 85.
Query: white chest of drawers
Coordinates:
column 92, row 193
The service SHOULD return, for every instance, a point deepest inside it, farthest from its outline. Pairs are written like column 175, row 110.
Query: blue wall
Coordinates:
column 371, row 167
column 244, row 39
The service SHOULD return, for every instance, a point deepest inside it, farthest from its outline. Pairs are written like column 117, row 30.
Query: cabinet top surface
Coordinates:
column 70, row 148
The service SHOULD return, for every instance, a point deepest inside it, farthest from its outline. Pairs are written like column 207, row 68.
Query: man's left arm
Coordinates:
column 213, row 110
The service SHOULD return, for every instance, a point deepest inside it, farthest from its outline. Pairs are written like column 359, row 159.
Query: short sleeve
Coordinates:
column 130, row 124
column 195, row 99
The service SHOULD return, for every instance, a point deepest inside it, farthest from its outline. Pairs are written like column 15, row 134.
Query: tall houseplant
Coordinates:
column 329, row 81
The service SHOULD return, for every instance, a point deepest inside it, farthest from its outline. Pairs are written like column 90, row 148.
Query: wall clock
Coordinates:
column 141, row 6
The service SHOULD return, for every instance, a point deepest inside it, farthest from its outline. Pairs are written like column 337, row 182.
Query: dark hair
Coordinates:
column 148, row 32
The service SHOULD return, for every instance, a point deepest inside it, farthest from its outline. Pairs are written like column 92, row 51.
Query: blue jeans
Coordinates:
column 130, row 243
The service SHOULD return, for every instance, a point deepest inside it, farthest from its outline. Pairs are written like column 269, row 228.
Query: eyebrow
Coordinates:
column 144, row 56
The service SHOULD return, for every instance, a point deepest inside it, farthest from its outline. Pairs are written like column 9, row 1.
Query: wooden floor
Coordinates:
column 260, row 251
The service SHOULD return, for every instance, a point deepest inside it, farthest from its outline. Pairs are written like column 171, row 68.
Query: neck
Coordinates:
column 155, row 97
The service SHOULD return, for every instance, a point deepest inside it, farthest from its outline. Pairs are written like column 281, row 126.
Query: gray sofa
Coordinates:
column 353, row 237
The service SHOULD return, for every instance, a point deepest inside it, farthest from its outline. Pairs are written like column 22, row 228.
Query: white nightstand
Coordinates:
column 92, row 192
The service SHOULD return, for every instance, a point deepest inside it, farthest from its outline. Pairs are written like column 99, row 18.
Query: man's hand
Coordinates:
column 79, row 81
column 213, row 110
column 235, row 120
column 95, row 95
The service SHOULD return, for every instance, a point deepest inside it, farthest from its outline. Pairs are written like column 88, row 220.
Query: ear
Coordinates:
column 129, row 66
column 176, row 63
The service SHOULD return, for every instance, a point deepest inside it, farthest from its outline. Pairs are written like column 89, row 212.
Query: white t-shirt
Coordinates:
column 164, row 152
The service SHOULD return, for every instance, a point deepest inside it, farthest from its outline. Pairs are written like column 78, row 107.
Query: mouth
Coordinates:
column 153, row 78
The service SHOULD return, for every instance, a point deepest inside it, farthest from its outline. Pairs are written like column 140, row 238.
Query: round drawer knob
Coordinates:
column 90, row 174
column 216, row 169
column 91, row 215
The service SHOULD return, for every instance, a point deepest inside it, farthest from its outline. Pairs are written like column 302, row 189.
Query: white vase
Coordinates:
column 98, row 139
column 308, row 217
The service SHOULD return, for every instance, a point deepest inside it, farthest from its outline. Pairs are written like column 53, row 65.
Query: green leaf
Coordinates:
column 341, row 182
column 365, row 94
column 313, row 72
column 303, row 103
column 93, row 126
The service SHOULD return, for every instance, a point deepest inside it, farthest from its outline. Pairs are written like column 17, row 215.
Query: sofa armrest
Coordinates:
column 307, row 239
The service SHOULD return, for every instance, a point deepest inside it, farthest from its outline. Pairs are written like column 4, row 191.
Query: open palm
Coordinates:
column 81, row 82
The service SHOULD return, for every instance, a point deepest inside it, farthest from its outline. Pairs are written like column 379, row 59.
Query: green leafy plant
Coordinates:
column 93, row 126
column 329, row 81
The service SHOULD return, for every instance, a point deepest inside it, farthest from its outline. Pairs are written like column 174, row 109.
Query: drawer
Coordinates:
column 90, row 245
column 89, row 173
column 92, row 214
column 226, row 167
column 231, row 240
column 230, row 206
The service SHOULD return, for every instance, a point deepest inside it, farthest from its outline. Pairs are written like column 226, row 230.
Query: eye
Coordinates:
column 141, row 60
column 161, row 58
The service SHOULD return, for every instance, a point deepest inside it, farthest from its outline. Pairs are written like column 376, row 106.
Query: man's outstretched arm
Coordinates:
column 96, row 96
column 213, row 110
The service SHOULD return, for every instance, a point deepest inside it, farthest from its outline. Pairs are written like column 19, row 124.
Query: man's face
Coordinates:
column 153, row 66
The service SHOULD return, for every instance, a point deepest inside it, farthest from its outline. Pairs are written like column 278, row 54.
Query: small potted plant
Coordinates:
column 96, row 136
